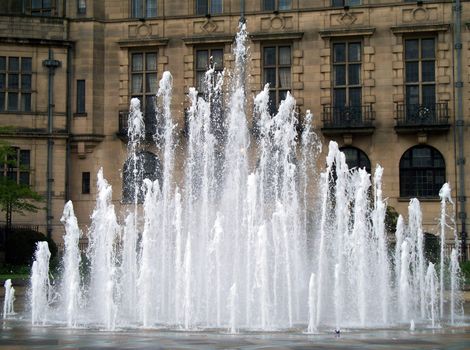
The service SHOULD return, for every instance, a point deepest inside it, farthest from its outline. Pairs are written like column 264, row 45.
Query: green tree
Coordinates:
column 14, row 197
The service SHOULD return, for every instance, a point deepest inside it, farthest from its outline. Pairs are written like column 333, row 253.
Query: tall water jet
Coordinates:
column 399, row 237
column 103, row 235
column 456, row 307
column 432, row 301
column 404, row 291
column 71, row 291
column 9, row 300
column 311, row 305
column 40, row 284
column 233, row 305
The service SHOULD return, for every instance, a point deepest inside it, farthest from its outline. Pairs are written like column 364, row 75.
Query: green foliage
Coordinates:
column 391, row 218
column 20, row 246
column 465, row 268
column 432, row 247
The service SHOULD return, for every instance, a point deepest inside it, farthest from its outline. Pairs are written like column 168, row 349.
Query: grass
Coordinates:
column 14, row 277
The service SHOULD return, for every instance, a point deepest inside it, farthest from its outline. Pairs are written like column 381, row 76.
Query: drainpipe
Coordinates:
column 459, row 124
column 51, row 65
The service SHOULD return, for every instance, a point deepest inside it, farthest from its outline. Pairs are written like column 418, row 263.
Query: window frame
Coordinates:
column 202, row 71
column 81, row 99
column 359, row 153
column 143, row 13
column 149, row 119
column 345, row 3
column 276, row 5
column 277, row 90
column 23, row 95
column 86, row 182
column 346, row 63
column 423, row 171
column 420, row 83
column 44, row 11
column 16, row 167
column 207, row 8
column 81, row 10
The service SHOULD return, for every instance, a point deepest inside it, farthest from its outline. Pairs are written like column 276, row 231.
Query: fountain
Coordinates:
column 264, row 245
column 8, row 309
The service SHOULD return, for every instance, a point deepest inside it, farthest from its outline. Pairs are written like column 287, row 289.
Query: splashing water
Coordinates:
column 254, row 236
column 9, row 300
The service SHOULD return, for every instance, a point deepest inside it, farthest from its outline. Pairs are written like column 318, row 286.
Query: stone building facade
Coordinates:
column 382, row 78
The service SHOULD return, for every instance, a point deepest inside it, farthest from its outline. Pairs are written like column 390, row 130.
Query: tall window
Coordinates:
column 144, row 84
column 81, row 7
column 15, row 83
column 212, row 7
column 272, row 5
column 355, row 158
column 86, row 182
column 204, row 59
column 347, row 88
column 144, row 8
column 17, row 166
column 420, row 74
column 422, row 172
column 81, row 96
column 43, row 7
column 148, row 167
column 338, row 3
column 277, row 72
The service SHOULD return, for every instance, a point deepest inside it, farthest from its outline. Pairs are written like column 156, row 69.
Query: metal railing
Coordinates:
column 5, row 231
column 348, row 117
column 436, row 114
column 449, row 246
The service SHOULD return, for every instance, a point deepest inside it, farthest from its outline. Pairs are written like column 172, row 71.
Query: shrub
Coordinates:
column 20, row 246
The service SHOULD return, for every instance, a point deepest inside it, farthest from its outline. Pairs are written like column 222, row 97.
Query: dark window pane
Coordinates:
column 81, row 91
column 200, row 79
column 354, row 74
column 218, row 59
column 412, row 72
column 339, row 97
column 284, row 4
column 3, row 65
column 46, row 3
column 137, row 8
column 2, row 101
column 25, row 82
column 272, row 102
column 216, row 6
column 353, row 2
column 354, row 52
column 12, row 101
column 284, row 55
column 201, row 7
column 137, row 86
column 151, row 8
column 337, row 2
column 137, row 62
column 355, row 96
column 412, row 95
column 339, row 53
column 202, row 59
column 81, row 7
column 284, row 78
column 24, row 178
column 13, row 64
column 151, row 83
column 411, row 49
column 13, row 81
column 429, row 95
column 86, row 182
column 269, row 5
column 269, row 56
column 26, row 102
column 2, row 81
column 270, row 77
column 355, row 158
column 151, row 61
column 339, row 73
column 282, row 95
column 26, row 65
column 428, row 71
column 427, row 48
column 150, row 106
column 25, row 159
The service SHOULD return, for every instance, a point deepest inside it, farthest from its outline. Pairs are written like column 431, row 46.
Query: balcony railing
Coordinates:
column 425, row 117
column 150, row 126
column 348, row 119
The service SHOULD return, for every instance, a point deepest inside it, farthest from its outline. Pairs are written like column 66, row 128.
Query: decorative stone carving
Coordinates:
column 209, row 26
column 276, row 23
column 347, row 18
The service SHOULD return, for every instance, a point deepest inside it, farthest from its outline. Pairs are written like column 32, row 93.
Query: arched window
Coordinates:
column 422, row 172
column 355, row 158
column 148, row 166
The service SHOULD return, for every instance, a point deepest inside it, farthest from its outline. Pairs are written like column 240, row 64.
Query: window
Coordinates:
column 15, row 84
column 273, row 5
column 212, row 7
column 341, row 3
column 144, row 8
column 422, row 172
column 420, row 75
column 81, row 7
column 144, row 84
column 205, row 58
column 347, row 88
column 355, row 158
column 16, row 166
column 86, row 182
column 81, row 96
column 148, row 167
column 277, row 72
column 43, row 7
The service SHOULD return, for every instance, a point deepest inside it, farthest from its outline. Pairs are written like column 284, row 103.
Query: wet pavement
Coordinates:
column 19, row 334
